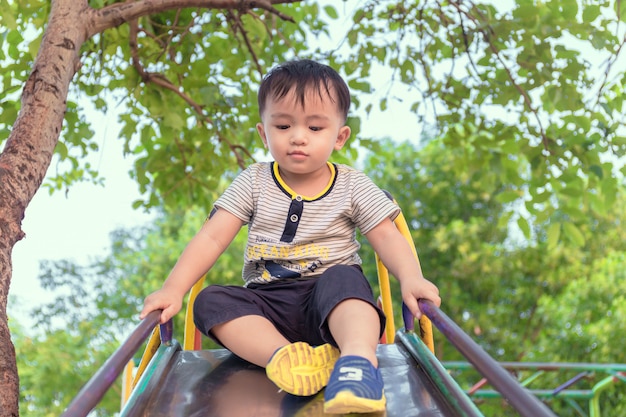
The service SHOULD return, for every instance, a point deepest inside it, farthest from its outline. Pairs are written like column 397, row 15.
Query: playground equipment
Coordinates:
column 182, row 380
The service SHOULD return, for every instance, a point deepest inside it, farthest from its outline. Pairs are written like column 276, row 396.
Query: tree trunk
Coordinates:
column 27, row 156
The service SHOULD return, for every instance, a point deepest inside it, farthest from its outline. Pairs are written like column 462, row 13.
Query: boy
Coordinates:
column 306, row 312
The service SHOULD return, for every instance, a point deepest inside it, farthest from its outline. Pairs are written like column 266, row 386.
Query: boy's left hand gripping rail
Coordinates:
column 93, row 391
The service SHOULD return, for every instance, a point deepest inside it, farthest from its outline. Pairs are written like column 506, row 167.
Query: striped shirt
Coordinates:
column 294, row 236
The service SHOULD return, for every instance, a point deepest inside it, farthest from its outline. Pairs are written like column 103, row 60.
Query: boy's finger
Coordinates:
column 413, row 307
column 165, row 315
column 149, row 306
column 435, row 298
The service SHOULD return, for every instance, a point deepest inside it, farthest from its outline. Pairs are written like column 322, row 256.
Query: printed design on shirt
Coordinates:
column 272, row 269
column 284, row 261
column 329, row 220
column 267, row 250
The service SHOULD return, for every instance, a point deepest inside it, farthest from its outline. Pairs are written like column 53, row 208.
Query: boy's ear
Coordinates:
column 342, row 137
column 261, row 129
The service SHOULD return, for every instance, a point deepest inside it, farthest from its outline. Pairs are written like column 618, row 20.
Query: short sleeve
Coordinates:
column 238, row 199
column 370, row 204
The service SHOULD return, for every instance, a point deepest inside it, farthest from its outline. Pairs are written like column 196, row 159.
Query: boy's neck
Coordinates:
column 308, row 185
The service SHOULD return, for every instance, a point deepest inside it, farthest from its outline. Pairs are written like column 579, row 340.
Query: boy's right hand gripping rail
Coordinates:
column 526, row 404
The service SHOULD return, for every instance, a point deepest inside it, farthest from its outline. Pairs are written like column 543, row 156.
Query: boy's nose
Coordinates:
column 298, row 137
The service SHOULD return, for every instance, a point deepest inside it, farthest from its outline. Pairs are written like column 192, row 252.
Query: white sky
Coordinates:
column 75, row 225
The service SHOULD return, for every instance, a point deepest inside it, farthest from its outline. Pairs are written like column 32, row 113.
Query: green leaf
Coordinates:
column 508, row 196
column 596, row 169
column 569, row 9
column 554, row 234
column 331, row 12
column 591, row 13
column 362, row 86
column 573, row 233
column 173, row 120
column 61, row 150
column 522, row 223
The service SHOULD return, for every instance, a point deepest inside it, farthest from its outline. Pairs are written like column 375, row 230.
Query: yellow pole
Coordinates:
column 190, row 338
column 425, row 325
column 127, row 382
column 385, row 295
column 151, row 347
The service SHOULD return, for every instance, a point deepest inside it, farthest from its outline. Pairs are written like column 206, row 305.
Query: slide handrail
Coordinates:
column 526, row 404
column 93, row 391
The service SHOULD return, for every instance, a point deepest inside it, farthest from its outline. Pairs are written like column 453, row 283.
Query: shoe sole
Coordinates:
column 346, row 402
column 301, row 369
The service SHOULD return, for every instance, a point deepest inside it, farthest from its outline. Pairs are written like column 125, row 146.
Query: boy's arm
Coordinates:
column 198, row 257
column 397, row 255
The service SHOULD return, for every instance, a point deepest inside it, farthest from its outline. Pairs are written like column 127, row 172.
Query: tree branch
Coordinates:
column 487, row 36
column 239, row 27
column 119, row 13
column 607, row 71
column 162, row 81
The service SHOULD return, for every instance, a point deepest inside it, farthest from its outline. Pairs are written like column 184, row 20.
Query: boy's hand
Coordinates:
column 414, row 289
column 162, row 300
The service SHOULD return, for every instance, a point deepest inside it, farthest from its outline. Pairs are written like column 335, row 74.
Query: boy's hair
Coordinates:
column 304, row 74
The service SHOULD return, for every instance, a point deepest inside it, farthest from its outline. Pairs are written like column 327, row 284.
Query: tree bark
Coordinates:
column 30, row 146
column 27, row 156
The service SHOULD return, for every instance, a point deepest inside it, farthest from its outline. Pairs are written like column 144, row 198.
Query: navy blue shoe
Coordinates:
column 355, row 386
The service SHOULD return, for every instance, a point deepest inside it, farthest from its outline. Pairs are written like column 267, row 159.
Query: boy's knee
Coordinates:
column 208, row 302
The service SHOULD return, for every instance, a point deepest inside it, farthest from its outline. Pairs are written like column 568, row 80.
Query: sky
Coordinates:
column 75, row 224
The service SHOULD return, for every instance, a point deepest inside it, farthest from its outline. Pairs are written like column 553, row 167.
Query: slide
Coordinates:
column 181, row 382
column 215, row 383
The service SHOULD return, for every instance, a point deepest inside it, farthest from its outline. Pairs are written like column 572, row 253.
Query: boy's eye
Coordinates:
column 315, row 128
column 282, row 127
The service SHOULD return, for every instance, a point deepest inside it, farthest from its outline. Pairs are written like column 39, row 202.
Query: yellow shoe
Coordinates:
column 302, row 369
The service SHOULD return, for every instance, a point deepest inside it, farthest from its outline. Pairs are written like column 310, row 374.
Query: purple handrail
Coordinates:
column 93, row 391
column 521, row 399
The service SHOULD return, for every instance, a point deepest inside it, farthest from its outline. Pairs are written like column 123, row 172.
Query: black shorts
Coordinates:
column 299, row 308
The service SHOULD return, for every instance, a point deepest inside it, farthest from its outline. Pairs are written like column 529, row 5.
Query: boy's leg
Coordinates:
column 253, row 338
column 351, row 319
column 297, row 368
column 356, row 384
column 257, row 324
column 355, row 326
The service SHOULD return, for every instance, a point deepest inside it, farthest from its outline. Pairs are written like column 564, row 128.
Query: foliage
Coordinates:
column 54, row 365
column 186, row 80
column 536, row 89
column 520, row 300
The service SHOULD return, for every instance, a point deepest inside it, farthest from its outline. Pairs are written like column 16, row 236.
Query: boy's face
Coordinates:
column 301, row 139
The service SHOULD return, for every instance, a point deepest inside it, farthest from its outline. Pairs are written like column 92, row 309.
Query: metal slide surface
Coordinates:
column 214, row 383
